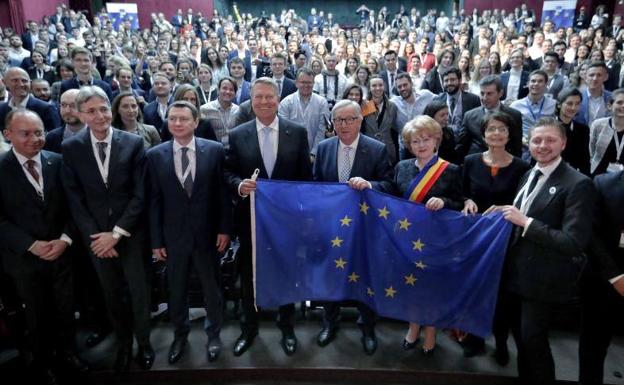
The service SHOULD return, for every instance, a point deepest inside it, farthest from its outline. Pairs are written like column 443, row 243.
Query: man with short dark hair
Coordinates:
column 237, row 72
column 72, row 125
column 389, row 75
column 470, row 140
column 556, row 81
column 458, row 100
column 82, row 60
column 155, row 112
column 595, row 103
column 330, row 83
column 40, row 89
column 285, row 85
column 190, row 212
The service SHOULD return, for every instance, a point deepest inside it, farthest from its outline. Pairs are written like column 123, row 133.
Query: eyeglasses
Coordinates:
column 350, row 120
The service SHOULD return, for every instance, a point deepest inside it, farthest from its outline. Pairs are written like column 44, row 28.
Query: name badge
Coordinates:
column 615, row 167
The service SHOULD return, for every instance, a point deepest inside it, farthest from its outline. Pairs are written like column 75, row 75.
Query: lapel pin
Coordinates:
column 49, row 163
column 552, row 190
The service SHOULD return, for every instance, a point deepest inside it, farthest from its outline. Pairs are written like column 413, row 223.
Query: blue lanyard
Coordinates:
column 539, row 113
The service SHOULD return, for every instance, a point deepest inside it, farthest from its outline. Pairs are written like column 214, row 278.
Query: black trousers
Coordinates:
column 124, row 282
column 602, row 309
column 366, row 320
column 46, row 289
column 249, row 319
column 206, row 266
column 530, row 326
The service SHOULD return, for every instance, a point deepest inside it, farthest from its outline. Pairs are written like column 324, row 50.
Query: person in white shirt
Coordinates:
column 306, row 108
column 330, row 84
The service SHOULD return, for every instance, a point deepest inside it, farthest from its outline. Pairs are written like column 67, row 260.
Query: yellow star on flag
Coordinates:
column 418, row 245
column 353, row 277
column 405, row 224
column 383, row 213
column 336, row 242
column 346, row 221
column 364, row 208
column 410, row 279
column 420, row 265
column 340, row 263
column 390, row 292
column 370, row 292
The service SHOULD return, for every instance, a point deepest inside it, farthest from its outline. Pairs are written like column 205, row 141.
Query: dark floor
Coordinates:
column 342, row 362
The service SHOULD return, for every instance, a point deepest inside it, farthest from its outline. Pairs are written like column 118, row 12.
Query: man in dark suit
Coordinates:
column 459, row 101
column 237, row 71
column 155, row 112
column 279, row 149
column 363, row 163
column 552, row 213
column 176, row 20
column 82, row 60
column 389, row 75
column 470, row 139
column 31, row 35
column 34, row 234
column 240, row 47
column 278, row 66
column 103, row 175
column 18, row 84
column 187, row 219
column 72, row 125
column 602, row 287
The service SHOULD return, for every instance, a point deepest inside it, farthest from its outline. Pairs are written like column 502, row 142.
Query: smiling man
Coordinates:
column 103, row 176
column 362, row 162
column 552, row 214
column 279, row 149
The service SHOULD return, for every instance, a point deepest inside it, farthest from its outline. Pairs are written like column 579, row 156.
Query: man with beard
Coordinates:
column 72, row 125
column 458, row 101
column 41, row 89
column 17, row 53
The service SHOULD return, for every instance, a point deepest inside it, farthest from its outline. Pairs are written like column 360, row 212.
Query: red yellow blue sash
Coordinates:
column 426, row 178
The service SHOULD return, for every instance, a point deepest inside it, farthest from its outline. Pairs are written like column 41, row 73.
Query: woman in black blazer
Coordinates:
column 576, row 152
column 422, row 137
column 40, row 68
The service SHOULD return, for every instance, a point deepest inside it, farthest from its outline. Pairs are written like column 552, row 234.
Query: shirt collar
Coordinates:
column 22, row 159
column 550, row 168
column 108, row 139
column 274, row 124
column 22, row 104
column 177, row 146
column 353, row 145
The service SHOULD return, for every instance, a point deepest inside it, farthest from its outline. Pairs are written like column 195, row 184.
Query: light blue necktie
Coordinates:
column 268, row 154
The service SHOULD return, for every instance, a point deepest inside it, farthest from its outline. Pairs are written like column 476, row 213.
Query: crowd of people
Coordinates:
column 127, row 149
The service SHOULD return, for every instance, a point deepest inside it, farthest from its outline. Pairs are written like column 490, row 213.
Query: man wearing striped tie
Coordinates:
column 362, row 162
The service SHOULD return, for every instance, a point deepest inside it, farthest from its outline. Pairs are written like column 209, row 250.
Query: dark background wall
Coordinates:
column 343, row 10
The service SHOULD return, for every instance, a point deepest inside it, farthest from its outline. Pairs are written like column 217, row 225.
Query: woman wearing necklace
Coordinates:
column 206, row 89
column 127, row 116
column 422, row 136
column 576, row 152
column 606, row 142
column 491, row 178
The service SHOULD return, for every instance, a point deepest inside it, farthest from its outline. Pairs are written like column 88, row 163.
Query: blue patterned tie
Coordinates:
column 345, row 168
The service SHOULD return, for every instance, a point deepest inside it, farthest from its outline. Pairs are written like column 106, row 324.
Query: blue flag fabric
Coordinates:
column 326, row 241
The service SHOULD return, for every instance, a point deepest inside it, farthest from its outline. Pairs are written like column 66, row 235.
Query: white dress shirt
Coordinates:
column 177, row 160
column 341, row 153
column 273, row 137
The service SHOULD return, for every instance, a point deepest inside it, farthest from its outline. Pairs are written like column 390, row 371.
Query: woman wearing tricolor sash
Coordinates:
column 429, row 180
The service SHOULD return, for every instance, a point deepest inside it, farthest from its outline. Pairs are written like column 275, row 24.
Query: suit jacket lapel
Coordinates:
column 46, row 169
column 333, row 160
column 253, row 144
column 548, row 190
column 114, row 155
column 169, row 168
column 93, row 168
column 22, row 180
column 283, row 134
column 361, row 152
column 200, row 152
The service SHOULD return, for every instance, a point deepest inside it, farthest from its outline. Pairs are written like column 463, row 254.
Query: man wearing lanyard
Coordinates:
column 552, row 214
column 535, row 105
column 594, row 105
column 459, row 101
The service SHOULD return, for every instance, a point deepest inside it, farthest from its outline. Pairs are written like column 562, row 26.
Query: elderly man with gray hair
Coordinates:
column 362, row 162
column 103, row 175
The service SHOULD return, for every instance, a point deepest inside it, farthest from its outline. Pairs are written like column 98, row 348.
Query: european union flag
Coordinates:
column 326, row 241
